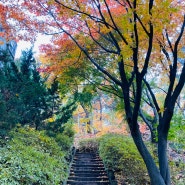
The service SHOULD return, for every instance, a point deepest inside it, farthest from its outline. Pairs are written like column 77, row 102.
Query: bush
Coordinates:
column 176, row 133
column 31, row 157
column 119, row 154
column 68, row 130
column 64, row 141
column 65, row 138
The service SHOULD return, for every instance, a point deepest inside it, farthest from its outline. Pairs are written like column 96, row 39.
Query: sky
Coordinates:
column 23, row 45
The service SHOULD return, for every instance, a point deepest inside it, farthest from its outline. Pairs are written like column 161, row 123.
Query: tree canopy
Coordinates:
column 125, row 40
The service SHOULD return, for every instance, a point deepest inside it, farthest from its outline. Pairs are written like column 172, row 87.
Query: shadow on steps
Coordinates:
column 88, row 169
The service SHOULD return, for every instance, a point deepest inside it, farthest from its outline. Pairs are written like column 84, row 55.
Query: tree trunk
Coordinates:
column 132, row 117
column 87, row 115
column 153, row 171
column 163, row 160
column 162, row 153
column 101, row 107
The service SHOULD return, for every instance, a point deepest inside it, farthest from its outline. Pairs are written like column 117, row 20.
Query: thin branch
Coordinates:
column 115, row 80
column 169, row 42
column 103, row 87
column 179, row 86
column 116, row 28
column 150, row 42
column 173, row 72
column 98, row 43
column 131, row 78
column 153, row 97
column 96, row 19
column 142, row 25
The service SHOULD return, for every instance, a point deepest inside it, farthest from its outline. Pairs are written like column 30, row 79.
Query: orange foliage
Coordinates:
column 87, row 22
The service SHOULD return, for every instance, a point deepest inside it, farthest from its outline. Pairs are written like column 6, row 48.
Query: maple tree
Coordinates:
column 133, row 37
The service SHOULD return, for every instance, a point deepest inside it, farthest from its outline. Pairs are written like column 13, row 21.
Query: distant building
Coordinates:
column 9, row 46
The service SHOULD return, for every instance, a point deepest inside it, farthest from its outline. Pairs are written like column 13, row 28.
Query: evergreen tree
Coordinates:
column 25, row 99
column 10, row 103
column 33, row 91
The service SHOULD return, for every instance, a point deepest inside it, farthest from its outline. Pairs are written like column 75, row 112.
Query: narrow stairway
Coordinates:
column 87, row 169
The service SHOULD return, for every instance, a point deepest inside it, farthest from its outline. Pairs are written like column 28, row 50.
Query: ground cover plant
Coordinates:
column 119, row 154
column 32, row 157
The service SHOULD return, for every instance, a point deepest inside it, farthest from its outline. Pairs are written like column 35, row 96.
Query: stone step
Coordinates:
column 86, row 156
column 88, row 174
column 76, row 178
column 85, row 153
column 87, row 165
column 87, row 159
column 87, row 183
column 87, row 169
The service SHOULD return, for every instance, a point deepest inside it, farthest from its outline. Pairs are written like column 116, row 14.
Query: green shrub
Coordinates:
column 31, row 157
column 176, row 133
column 65, row 138
column 120, row 155
column 64, row 141
column 68, row 130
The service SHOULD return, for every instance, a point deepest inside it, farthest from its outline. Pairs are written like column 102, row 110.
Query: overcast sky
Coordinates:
column 22, row 45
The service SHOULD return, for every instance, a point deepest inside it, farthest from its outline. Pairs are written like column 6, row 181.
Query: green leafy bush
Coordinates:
column 119, row 154
column 65, row 138
column 68, row 130
column 176, row 133
column 177, row 149
column 31, row 157
column 64, row 141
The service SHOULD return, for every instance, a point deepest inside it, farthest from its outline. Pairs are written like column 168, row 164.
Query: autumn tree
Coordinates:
column 136, row 37
column 60, row 63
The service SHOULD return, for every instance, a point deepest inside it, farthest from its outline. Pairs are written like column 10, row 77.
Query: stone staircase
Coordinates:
column 87, row 169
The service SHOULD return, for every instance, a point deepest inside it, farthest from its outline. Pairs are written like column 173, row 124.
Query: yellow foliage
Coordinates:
column 84, row 120
column 50, row 120
column 161, row 110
